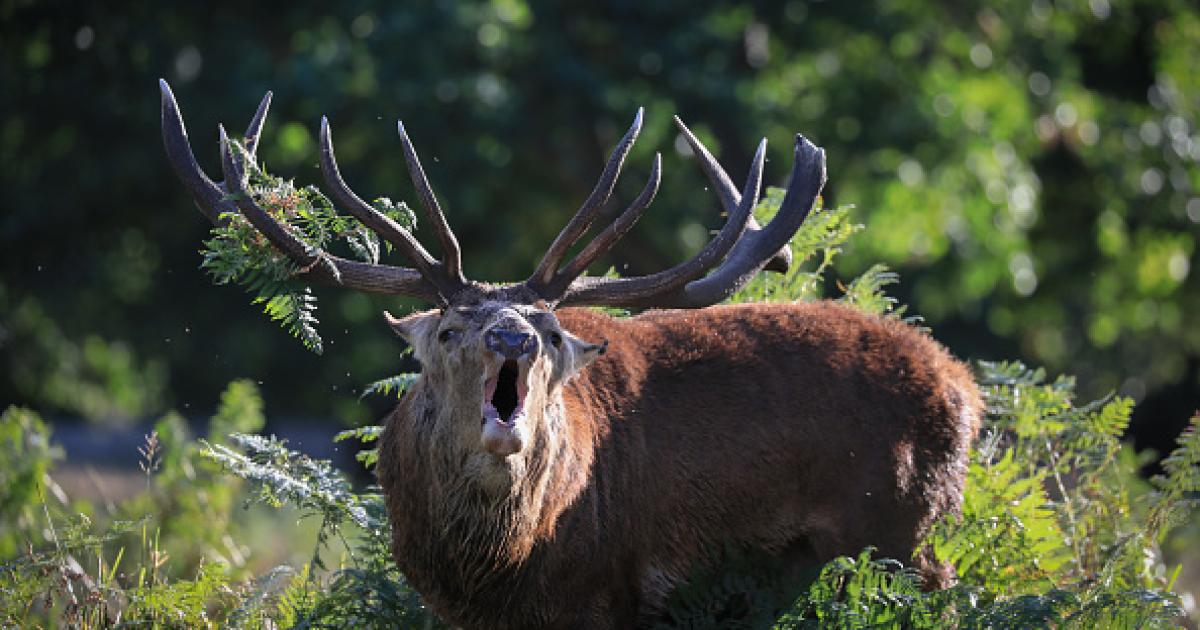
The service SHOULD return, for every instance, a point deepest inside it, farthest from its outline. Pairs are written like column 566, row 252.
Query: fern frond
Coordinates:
column 866, row 292
column 391, row 386
column 366, row 435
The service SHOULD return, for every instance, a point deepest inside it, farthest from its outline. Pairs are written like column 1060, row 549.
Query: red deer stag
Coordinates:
column 558, row 467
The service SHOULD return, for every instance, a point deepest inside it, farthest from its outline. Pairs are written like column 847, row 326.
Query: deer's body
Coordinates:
column 802, row 430
column 535, row 480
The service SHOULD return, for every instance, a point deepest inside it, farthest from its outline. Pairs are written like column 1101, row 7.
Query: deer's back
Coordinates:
column 768, row 424
column 816, row 357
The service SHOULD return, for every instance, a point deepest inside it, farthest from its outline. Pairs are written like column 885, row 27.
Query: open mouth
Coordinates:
column 504, row 395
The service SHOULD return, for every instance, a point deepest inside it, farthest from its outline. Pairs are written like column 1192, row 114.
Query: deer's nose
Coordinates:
column 510, row 344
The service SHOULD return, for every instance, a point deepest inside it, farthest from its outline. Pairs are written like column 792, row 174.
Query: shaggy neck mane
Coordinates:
column 466, row 538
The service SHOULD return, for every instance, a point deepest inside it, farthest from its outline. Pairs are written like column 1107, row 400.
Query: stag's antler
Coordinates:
column 431, row 280
column 741, row 247
column 740, row 250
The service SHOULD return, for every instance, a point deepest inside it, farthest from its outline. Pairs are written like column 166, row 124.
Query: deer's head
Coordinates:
column 492, row 372
column 494, row 357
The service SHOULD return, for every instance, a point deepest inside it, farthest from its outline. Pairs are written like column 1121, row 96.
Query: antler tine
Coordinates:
column 613, row 233
column 642, row 290
column 208, row 195
column 728, row 194
column 451, row 254
column 254, row 129
column 375, row 220
column 544, row 274
column 754, row 249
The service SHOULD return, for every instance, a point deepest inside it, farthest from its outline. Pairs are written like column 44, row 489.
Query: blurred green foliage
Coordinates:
column 1029, row 167
column 193, row 505
column 28, row 456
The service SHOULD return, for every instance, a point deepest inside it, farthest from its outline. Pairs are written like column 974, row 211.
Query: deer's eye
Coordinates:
column 556, row 339
column 447, row 335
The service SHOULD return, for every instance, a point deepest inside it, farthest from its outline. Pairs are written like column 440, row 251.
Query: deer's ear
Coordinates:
column 582, row 353
column 592, row 351
column 415, row 328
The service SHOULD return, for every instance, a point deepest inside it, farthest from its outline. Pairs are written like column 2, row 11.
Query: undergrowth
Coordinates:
column 1056, row 530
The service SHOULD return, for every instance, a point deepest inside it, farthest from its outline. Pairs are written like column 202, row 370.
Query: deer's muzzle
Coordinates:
column 511, row 344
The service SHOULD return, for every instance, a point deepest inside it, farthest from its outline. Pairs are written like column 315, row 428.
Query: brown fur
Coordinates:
column 804, row 431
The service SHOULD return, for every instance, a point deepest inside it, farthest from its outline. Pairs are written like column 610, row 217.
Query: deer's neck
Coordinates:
column 492, row 524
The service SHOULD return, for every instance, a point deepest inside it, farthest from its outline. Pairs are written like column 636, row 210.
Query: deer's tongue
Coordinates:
column 502, row 437
column 491, row 415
